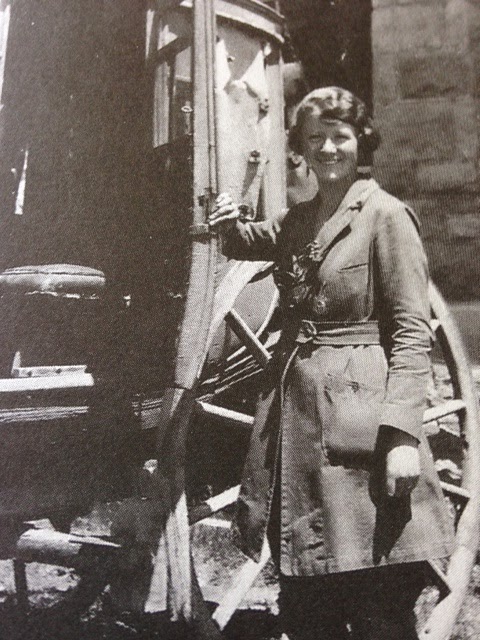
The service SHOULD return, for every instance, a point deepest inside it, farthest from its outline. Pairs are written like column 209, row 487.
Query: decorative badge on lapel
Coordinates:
column 297, row 280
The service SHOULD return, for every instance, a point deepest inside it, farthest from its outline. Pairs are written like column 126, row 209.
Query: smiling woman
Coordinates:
column 339, row 475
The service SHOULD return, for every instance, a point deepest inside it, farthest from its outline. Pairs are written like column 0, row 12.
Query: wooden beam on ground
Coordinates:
column 242, row 583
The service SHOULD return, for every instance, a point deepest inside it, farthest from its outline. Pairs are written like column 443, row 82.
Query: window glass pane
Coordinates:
column 181, row 113
column 161, row 105
column 173, row 80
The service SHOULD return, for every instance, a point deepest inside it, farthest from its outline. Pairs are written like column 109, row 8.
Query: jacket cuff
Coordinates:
column 405, row 418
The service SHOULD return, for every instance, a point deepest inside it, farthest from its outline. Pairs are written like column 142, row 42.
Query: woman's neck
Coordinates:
column 329, row 198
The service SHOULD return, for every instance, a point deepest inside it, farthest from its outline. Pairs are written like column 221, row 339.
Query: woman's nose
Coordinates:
column 329, row 146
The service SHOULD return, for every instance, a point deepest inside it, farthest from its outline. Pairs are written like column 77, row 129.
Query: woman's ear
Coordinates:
column 294, row 159
column 294, row 142
column 368, row 141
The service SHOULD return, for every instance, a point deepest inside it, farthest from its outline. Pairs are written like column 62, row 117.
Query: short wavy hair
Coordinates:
column 337, row 104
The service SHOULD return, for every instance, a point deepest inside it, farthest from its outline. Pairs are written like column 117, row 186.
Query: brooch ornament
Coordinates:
column 297, row 281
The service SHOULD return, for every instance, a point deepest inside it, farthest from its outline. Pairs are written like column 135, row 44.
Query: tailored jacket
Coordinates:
column 317, row 437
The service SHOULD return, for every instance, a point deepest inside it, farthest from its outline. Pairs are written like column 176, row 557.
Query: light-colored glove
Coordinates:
column 224, row 213
column 402, row 469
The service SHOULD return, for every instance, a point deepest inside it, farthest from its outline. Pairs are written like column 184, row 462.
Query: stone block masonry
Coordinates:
column 426, row 95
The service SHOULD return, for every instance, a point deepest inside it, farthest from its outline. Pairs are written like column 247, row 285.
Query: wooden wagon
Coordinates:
column 122, row 323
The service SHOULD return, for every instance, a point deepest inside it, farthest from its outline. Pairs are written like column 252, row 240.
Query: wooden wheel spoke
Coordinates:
column 214, row 504
column 241, row 329
column 443, row 410
column 455, row 492
column 227, row 416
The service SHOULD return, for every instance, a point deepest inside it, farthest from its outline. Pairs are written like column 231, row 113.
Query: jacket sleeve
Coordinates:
column 253, row 240
column 403, row 306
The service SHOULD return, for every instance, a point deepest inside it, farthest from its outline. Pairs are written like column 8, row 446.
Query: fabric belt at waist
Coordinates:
column 338, row 333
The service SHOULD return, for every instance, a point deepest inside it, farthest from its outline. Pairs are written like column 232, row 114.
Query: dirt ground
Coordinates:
column 216, row 562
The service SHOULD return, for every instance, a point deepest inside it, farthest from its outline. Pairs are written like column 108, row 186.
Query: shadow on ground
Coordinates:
column 100, row 624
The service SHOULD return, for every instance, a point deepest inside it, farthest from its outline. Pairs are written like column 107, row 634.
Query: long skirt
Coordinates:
column 367, row 604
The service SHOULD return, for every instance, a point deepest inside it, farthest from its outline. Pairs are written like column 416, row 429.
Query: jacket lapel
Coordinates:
column 354, row 200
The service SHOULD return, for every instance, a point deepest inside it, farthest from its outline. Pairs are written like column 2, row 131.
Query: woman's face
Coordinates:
column 330, row 148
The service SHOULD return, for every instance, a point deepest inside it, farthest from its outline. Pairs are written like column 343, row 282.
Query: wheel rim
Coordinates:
column 442, row 620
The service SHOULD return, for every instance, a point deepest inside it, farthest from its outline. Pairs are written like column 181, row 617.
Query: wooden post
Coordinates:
column 191, row 351
column 21, row 586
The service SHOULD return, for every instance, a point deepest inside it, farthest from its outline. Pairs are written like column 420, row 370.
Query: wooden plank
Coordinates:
column 248, row 337
column 193, row 339
column 40, row 415
column 47, row 371
column 157, row 596
column 242, row 582
column 174, row 542
column 50, row 383
column 177, row 537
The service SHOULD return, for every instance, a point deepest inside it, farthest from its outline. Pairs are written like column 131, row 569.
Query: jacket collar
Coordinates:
column 353, row 201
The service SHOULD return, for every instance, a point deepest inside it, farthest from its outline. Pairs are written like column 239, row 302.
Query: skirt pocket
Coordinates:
column 351, row 419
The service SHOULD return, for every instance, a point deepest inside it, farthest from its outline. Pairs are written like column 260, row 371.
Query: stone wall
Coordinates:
column 426, row 94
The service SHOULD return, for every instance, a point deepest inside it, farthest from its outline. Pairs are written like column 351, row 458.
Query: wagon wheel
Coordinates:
column 464, row 404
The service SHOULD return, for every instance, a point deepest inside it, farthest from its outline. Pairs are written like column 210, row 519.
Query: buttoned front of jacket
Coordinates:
column 314, row 437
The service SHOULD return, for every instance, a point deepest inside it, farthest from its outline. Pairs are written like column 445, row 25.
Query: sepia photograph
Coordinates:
column 239, row 319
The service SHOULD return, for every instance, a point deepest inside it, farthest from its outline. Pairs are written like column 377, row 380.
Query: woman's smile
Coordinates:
column 330, row 148
column 331, row 160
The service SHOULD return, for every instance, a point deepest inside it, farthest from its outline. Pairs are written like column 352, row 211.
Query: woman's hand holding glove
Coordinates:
column 402, row 468
column 224, row 213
